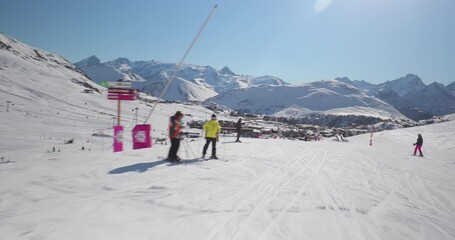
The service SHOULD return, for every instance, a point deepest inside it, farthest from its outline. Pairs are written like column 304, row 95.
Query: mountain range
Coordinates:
column 403, row 98
column 191, row 82
column 313, row 97
column 411, row 96
column 408, row 94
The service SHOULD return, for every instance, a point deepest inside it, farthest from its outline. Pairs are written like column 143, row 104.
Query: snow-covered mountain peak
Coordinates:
column 362, row 85
column 90, row 61
column 87, row 62
column 404, row 85
column 439, row 90
column 408, row 79
column 112, row 71
column 122, row 64
column 228, row 71
column 344, row 79
column 268, row 80
column 411, row 76
column 436, row 85
column 155, row 74
column 434, row 98
column 336, row 86
column 122, row 60
column 451, row 86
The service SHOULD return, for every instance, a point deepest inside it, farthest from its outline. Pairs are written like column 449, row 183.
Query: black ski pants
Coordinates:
column 175, row 144
column 208, row 141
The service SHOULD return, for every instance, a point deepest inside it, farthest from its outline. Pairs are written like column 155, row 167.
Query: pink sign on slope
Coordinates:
column 124, row 97
column 141, row 136
column 118, row 138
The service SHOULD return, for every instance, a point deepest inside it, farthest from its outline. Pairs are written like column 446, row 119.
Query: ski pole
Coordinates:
column 186, row 148
column 224, row 147
column 191, row 150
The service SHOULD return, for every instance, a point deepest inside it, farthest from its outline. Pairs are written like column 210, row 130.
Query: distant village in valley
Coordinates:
column 269, row 127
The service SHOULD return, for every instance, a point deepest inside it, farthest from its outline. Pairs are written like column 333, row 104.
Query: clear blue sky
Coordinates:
column 297, row 40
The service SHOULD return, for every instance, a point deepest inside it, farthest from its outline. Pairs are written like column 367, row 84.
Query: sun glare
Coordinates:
column 322, row 5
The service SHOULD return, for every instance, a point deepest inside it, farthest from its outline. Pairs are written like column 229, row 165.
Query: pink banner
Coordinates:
column 124, row 97
column 118, row 138
column 122, row 91
column 141, row 136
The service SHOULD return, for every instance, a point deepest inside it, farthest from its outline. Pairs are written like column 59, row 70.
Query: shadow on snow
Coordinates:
column 143, row 167
column 138, row 167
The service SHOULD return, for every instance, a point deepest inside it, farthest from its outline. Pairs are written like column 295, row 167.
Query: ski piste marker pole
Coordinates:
column 181, row 61
column 371, row 137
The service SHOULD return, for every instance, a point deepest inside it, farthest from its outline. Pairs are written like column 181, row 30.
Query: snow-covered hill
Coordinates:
column 38, row 84
column 193, row 80
column 33, row 75
column 313, row 97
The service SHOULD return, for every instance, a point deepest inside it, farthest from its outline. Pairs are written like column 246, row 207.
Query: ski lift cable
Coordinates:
column 181, row 61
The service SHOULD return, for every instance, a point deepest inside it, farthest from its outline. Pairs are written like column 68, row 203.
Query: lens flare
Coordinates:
column 322, row 5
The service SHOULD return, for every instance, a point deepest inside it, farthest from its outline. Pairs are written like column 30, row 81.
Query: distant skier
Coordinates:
column 238, row 128
column 418, row 145
column 175, row 127
column 212, row 128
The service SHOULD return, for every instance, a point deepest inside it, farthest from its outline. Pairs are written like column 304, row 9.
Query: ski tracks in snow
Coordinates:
column 393, row 194
column 258, row 209
column 323, row 188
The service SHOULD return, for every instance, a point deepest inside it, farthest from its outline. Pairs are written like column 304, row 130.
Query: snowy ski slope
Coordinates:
column 267, row 189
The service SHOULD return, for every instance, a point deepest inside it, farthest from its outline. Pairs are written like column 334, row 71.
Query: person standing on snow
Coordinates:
column 418, row 145
column 238, row 127
column 175, row 127
column 212, row 128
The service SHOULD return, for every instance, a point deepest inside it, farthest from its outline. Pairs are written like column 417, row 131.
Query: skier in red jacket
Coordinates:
column 174, row 134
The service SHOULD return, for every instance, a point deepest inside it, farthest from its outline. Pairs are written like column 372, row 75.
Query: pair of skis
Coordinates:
column 195, row 160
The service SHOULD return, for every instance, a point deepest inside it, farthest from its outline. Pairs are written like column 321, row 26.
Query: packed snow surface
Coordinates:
column 258, row 189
